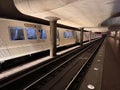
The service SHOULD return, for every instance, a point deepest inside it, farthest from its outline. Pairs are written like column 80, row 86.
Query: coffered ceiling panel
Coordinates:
column 75, row 13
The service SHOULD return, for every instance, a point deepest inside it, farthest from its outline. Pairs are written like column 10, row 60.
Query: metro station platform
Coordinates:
column 104, row 71
column 111, row 67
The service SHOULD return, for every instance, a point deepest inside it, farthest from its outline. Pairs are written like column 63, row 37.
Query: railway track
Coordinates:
column 75, row 83
column 55, row 75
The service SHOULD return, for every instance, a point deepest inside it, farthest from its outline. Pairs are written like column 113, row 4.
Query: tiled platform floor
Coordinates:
column 104, row 73
column 111, row 69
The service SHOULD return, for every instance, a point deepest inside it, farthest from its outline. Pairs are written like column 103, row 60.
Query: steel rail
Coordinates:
column 71, row 83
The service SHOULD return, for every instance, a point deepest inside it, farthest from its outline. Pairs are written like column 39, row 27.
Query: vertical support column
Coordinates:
column 53, row 26
column 81, row 36
column 94, row 35
column 90, row 36
column 116, row 34
column 109, row 33
column 119, row 37
column 75, row 36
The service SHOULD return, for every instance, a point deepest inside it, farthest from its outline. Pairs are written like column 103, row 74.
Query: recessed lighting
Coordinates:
column 90, row 86
column 96, row 69
column 98, row 60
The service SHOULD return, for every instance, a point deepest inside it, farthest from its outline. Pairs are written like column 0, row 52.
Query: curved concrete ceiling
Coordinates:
column 76, row 13
column 111, row 21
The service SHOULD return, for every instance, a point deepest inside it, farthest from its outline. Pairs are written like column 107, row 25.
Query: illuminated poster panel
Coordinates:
column 67, row 34
column 43, row 34
column 16, row 33
column 31, row 33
